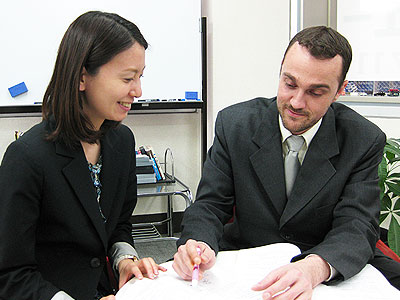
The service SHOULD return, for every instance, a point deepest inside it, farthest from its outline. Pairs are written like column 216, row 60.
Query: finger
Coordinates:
column 290, row 294
column 177, row 268
column 147, row 267
column 161, row 268
column 208, row 258
column 136, row 271
column 191, row 248
column 273, row 284
column 300, row 289
column 280, row 287
column 186, row 263
column 265, row 282
column 154, row 266
column 281, row 295
column 180, row 267
column 111, row 297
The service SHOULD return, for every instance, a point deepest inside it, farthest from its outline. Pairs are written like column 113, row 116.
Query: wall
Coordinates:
column 386, row 115
column 246, row 41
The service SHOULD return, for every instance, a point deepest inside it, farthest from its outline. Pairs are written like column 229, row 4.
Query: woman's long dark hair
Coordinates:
column 91, row 41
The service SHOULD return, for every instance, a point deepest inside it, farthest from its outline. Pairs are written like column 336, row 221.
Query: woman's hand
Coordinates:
column 144, row 267
column 111, row 297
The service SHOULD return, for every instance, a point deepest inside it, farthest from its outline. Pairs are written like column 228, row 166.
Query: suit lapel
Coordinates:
column 110, row 174
column 316, row 169
column 267, row 161
column 78, row 176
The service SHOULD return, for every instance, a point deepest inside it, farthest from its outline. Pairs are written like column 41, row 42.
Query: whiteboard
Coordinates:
column 31, row 31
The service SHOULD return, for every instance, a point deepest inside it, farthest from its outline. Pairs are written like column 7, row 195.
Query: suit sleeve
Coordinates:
column 350, row 243
column 214, row 203
column 20, row 194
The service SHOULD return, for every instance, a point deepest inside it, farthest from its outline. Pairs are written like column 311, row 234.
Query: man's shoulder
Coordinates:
column 348, row 119
column 253, row 110
column 258, row 103
column 245, row 118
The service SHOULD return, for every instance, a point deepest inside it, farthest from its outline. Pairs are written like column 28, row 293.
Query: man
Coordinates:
column 330, row 212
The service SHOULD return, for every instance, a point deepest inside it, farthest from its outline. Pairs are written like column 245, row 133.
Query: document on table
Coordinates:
column 235, row 272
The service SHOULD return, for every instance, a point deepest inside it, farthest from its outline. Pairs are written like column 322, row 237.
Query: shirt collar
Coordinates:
column 308, row 135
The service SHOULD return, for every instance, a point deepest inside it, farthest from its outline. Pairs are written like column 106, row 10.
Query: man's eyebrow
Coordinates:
column 313, row 86
column 320, row 86
column 289, row 76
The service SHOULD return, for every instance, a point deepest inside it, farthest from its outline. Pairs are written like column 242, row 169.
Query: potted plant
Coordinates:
column 389, row 183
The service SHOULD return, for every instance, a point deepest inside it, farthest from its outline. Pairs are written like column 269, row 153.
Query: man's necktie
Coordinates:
column 292, row 163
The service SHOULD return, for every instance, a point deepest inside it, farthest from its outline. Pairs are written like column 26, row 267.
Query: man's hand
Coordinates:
column 187, row 256
column 295, row 280
column 145, row 266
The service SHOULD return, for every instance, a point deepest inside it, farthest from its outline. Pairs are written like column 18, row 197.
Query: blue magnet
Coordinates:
column 191, row 95
column 18, row 89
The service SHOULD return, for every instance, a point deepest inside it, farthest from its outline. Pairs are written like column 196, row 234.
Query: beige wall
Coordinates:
column 246, row 41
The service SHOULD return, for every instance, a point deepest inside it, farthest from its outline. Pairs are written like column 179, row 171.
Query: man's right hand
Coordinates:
column 187, row 257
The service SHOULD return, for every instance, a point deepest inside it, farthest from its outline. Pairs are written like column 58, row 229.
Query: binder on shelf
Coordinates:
column 144, row 169
column 146, row 178
column 157, row 167
column 147, row 164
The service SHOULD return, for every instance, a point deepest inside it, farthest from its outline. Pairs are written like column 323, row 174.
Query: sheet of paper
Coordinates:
column 369, row 284
column 235, row 272
column 169, row 285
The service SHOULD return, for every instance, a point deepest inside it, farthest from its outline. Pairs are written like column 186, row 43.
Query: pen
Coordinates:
column 195, row 274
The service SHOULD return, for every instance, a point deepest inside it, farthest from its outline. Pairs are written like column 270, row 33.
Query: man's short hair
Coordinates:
column 324, row 42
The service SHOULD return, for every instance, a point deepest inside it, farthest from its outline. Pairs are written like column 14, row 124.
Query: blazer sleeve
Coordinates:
column 213, row 208
column 20, row 194
column 350, row 243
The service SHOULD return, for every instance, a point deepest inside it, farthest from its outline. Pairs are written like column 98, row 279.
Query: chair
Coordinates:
column 387, row 251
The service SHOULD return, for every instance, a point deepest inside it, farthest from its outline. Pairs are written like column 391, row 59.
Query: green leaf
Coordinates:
column 389, row 154
column 386, row 203
column 392, row 148
column 394, row 176
column 382, row 169
column 393, row 160
column 393, row 142
column 394, row 188
column 382, row 217
column 394, row 236
column 397, row 206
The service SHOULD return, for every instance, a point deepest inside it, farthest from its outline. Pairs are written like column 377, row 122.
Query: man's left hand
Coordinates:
column 295, row 280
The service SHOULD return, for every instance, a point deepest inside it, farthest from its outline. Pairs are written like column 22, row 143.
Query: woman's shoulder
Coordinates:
column 120, row 134
column 31, row 148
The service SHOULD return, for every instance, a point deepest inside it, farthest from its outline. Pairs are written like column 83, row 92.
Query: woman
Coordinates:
column 68, row 185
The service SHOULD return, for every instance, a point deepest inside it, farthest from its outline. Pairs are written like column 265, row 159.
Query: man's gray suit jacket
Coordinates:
column 334, row 206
